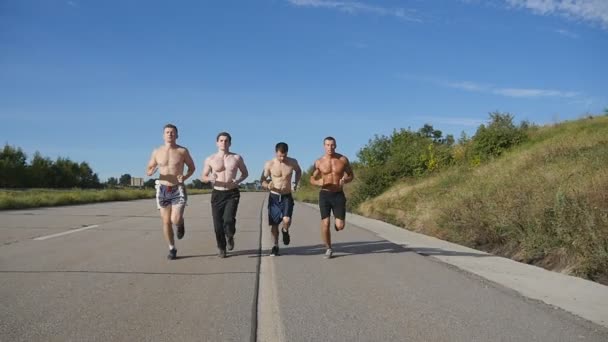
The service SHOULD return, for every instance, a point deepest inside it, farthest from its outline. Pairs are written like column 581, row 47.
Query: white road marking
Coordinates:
column 270, row 327
column 65, row 233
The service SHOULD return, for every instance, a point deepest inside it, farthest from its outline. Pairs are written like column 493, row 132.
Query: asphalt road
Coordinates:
column 99, row 273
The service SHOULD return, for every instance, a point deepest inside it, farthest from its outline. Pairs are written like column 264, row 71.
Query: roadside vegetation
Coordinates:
column 538, row 195
column 33, row 198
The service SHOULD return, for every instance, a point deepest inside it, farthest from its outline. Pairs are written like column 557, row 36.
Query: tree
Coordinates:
column 112, row 182
column 40, row 174
column 500, row 135
column 12, row 167
column 150, row 183
column 88, row 179
column 125, row 180
column 197, row 184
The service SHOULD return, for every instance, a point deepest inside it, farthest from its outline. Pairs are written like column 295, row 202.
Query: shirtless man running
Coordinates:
column 220, row 169
column 280, row 202
column 331, row 172
column 171, row 196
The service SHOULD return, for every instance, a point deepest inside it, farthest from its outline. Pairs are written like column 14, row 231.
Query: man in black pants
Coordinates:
column 220, row 169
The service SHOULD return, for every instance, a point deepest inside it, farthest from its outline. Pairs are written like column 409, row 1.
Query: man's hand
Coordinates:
column 180, row 179
column 152, row 170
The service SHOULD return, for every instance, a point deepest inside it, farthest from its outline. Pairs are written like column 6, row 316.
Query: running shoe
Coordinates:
column 172, row 254
column 230, row 243
column 222, row 253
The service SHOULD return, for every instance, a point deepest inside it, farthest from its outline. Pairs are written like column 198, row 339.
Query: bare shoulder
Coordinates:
column 237, row 156
column 158, row 150
column 292, row 161
column 342, row 157
column 268, row 164
column 182, row 149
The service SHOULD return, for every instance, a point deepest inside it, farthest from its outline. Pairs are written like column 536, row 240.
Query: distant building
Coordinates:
column 137, row 182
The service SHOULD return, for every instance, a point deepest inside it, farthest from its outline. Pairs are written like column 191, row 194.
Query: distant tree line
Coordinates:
column 42, row 172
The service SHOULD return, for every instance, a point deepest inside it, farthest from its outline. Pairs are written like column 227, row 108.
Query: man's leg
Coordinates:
column 339, row 207
column 177, row 216
column 275, row 240
column 165, row 214
column 287, row 212
column 325, row 210
column 217, row 211
column 229, row 218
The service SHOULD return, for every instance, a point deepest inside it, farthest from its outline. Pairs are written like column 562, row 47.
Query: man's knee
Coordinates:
column 286, row 221
column 340, row 224
column 229, row 221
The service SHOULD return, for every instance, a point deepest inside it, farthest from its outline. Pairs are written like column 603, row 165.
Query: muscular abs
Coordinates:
column 225, row 168
column 281, row 174
column 170, row 163
column 332, row 171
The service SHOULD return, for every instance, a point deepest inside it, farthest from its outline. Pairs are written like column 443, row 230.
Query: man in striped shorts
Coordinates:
column 171, row 196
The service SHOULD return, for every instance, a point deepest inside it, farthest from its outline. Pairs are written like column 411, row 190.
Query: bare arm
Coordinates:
column 190, row 163
column 298, row 174
column 265, row 174
column 243, row 169
column 348, row 172
column 314, row 178
column 152, row 164
column 206, row 171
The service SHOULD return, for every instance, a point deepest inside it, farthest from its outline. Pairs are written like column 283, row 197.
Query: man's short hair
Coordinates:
column 224, row 134
column 330, row 138
column 281, row 147
column 170, row 126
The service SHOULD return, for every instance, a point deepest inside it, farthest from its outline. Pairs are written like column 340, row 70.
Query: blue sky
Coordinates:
column 96, row 80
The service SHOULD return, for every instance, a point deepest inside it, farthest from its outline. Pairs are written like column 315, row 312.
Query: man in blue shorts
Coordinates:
column 171, row 196
column 276, row 177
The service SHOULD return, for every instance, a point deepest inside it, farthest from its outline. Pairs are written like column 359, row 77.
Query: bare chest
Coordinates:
column 332, row 166
column 223, row 163
column 169, row 157
column 281, row 170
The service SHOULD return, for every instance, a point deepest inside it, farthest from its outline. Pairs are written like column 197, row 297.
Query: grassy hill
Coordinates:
column 544, row 202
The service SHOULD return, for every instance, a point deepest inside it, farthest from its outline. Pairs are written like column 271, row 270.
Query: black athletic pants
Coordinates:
column 223, row 210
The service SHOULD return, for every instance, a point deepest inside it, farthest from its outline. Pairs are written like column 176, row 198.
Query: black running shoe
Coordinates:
column 274, row 251
column 181, row 230
column 172, row 254
column 230, row 243
column 286, row 238
column 222, row 254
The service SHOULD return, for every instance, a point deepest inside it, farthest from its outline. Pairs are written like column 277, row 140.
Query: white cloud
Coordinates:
column 491, row 89
column 532, row 93
column 595, row 11
column 567, row 33
column 466, row 85
column 353, row 7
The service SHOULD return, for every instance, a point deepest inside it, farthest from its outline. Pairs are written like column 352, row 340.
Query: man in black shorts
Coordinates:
column 331, row 172
column 276, row 177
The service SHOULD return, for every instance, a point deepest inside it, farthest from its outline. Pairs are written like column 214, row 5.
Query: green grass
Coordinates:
column 33, row 198
column 544, row 203
column 308, row 194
